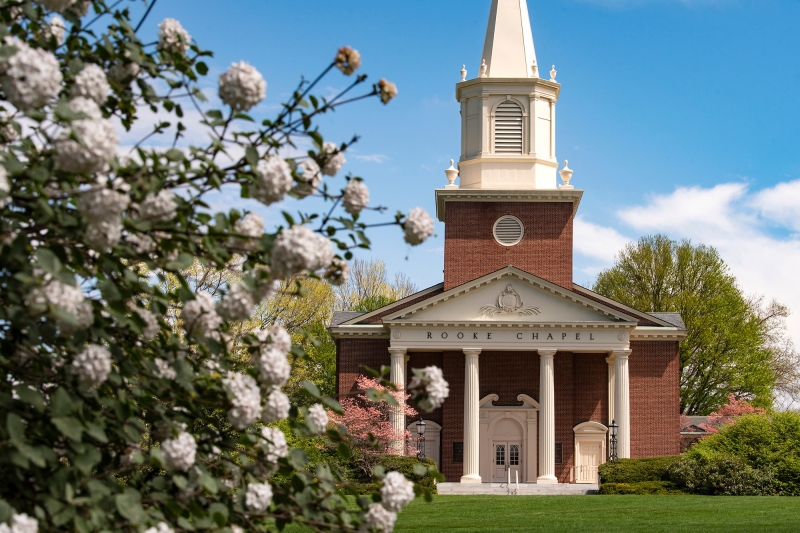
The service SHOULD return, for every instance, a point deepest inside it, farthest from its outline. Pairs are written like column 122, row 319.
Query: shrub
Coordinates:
column 723, row 476
column 641, row 488
column 637, row 470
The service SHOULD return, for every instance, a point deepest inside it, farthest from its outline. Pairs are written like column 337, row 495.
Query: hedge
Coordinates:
column 637, row 470
column 642, row 487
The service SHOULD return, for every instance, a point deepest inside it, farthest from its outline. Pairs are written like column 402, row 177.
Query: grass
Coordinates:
column 651, row 514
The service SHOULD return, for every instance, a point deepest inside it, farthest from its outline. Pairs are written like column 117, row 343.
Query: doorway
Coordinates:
column 590, row 451
column 507, row 461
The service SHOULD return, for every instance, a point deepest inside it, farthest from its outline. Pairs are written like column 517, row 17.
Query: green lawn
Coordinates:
column 651, row 514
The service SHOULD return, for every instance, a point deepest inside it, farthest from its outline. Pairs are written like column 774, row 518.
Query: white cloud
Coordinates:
column 372, row 158
column 780, row 204
column 598, row 242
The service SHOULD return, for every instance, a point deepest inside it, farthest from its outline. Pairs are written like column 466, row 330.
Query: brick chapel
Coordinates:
column 538, row 366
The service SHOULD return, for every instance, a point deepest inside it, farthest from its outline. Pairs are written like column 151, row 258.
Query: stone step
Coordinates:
column 525, row 489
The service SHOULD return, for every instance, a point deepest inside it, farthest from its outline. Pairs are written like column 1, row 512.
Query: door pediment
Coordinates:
column 509, row 295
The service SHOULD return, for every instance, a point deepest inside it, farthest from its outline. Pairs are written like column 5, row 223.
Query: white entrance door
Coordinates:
column 589, row 459
column 507, row 459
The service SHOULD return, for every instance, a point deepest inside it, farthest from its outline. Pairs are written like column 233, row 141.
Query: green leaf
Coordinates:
column 33, row 397
column 311, row 389
column 201, row 68
column 343, row 450
column 219, row 513
column 251, row 155
column 129, row 506
column 86, row 461
column 69, row 427
column 16, row 429
column 174, row 154
column 61, row 403
column 5, row 511
column 96, row 432
column 420, row 470
column 48, row 261
column 208, row 482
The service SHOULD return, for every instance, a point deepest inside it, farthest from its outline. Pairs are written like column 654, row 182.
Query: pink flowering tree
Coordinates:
column 728, row 413
column 367, row 419
column 127, row 402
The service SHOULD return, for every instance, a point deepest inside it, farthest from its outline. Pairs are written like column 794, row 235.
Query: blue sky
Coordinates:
column 677, row 116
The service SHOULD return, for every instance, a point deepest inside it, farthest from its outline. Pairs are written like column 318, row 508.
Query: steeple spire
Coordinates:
column 508, row 49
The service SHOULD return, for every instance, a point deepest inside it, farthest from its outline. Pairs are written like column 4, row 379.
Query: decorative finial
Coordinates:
column 463, row 73
column 535, row 69
column 452, row 174
column 566, row 175
column 484, row 67
column 553, row 74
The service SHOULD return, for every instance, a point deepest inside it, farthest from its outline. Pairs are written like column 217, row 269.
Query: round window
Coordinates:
column 508, row 230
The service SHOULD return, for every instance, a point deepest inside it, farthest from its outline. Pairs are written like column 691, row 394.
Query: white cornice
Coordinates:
column 513, row 325
column 488, row 195
column 658, row 333
column 375, row 331
column 361, row 318
column 503, row 85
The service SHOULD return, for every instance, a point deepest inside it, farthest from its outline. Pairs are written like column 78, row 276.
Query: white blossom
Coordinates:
column 418, row 226
column 335, row 159
column 126, row 71
column 32, row 76
column 91, row 83
column 355, row 196
column 309, row 180
column 245, row 397
column 273, row 180
column 347, row 60
column 98, row 141
column 298, row 249
column 276, row 407
column 397, row 491
column 318, row 416
column 157, row 207
column 165, row 370
column 338, row 273
column 387, row 90
column 56, row 29
column 81, row 7
column 279, row 338
column 70, row 299
column 92, row 365
column 103, row 235
column 5, row 186
column 428, row 388
column 21, row 523
column 179, row 453
column 8, row 134
column 141, row 242
column 266, row 286
column 242, row 86
column 273, row 366
column 162, row 527
column 379, row 519
column 172, row 37
column 56, row 5
column 238, row 304
column 251, row 228
column 151, row 326
column 101, row 202
column 259, row 496
column 236, row 529
column 275, row 445
column 200, row 318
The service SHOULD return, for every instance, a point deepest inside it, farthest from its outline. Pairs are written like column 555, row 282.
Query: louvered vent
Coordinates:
column 508, row 128
column 508, row 230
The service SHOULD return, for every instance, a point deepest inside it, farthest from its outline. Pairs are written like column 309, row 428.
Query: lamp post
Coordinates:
column 613, row 442
column 421, row 439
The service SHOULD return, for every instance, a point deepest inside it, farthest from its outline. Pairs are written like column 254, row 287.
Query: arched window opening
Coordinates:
column 508, row 128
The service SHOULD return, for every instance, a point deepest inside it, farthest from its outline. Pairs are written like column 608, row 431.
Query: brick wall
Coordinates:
column 564, row 396
column 351, row 354
column 470, row 250
column 453, row 413
column 654, row 369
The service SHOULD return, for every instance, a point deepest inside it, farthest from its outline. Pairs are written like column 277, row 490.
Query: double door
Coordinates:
column 507, row 460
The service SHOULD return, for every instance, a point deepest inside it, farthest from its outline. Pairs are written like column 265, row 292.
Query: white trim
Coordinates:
column 502, row 195
column 521, row 233
column 580, row 288
column 361, row 318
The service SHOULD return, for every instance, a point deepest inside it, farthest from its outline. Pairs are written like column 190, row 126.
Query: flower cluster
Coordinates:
column 347, row 60
column 32, row 76
column 97, row 141
column 276, row 407
column 379, row 519
column 245, row 397
column 200, row 318
column 251, row 228
column 309, row 180
column 418, row 226
column 259, row 496
column 273, row 180
column 5, row 186
column 66, row 297
column 79, row 7
column 355, row 196
column 334, row 159
column 318, row 416
column 151, row 326
column 21, row 523
column 180, row 452
column 103, row 206
column 387, row 90
column 158, row 207
column 274, row 444
column 173, row 38
column 91, row 83
column 397, row 491
column 238, row 304
column 92, row 365
column 56, row 29
column 428, row 388
column 242, row 86
column 338, row 273
column 165, row 370
column 299, row 249
column 271, row 362
column 162, row 527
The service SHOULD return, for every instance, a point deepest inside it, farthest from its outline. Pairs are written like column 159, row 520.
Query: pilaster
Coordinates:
column 622, row 408
column 471, row 417
column 547, row 419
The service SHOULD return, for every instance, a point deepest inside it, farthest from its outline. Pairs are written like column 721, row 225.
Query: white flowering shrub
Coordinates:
column 130, row 404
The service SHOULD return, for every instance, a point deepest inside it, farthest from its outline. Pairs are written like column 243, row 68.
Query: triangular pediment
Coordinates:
column 509, row 296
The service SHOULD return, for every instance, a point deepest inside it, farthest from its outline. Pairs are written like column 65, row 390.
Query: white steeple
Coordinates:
column 508, row 49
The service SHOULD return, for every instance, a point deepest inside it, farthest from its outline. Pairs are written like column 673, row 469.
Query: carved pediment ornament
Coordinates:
column 509, row 303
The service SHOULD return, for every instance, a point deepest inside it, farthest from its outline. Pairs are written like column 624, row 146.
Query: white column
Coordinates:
column 552, row 129
column 397, row 375
column 547, row 419
column 472, row 421
column 622, row 404
column 612, row 388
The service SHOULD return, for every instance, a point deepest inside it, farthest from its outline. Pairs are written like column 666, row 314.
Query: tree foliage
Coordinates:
column 369, row 287
column 136, row 392
column 730, row 347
